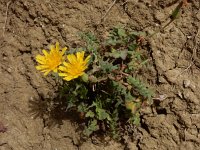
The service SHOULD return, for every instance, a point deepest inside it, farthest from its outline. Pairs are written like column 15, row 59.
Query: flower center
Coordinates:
column 54, row 61
column 78, row 69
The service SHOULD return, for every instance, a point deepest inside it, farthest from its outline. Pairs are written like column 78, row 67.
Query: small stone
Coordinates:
column 186, row 83
column 162, row 79
column 162, row 97
column 180, row 94
column 198, row 15
column 4, row 58
column 31, row 98
column 9, row 70
column 46, row 20
column 189, row 37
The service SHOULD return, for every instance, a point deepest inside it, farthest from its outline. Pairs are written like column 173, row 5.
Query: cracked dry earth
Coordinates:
column 173, row 121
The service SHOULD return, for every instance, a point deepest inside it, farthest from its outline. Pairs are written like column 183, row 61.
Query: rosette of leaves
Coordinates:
column 111, row 95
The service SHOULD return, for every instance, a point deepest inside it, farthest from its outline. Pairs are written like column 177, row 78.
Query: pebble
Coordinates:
column 9, row 70
column 186, row 83
column 198, row 15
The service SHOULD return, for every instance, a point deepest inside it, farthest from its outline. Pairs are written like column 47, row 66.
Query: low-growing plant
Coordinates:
column 104, row 87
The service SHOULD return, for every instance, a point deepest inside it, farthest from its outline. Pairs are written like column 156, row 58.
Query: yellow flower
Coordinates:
column 75, row 66
column 50, row 61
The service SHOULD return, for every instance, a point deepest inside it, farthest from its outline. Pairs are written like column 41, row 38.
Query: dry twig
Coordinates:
column 194, row 57
column 190, row 65
column 102, row 19
column 194, row 50
column 4, row 27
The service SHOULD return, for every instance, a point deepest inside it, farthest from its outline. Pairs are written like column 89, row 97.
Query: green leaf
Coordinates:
column 119, row 87
column 87, row 132
column 84, row 77
column 89, row 114
column 142, row 89
column 136, row 119
column 81, row 91
column 112, row 42
column 102, row 114
column 71, row 100
column 129, row 97
column 176, row 11
column 121, row 32
column 118, row 54
column 132, row 47
column 82, row 107
column 119, row 102
column 106, row 66
column 93, row 126
column 91, row 40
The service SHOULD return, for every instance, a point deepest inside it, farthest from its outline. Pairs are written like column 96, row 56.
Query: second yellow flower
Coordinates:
column 75, row 66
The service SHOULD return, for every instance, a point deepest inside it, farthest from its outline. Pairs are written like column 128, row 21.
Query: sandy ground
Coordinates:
column 173, row 121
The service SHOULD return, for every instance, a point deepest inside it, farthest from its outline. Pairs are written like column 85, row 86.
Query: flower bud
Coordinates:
column 84, row 77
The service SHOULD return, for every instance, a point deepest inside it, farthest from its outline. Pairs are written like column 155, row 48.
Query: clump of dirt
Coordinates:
column 173, row 121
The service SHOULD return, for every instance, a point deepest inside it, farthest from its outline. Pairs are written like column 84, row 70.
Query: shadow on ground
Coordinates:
column 53, row 110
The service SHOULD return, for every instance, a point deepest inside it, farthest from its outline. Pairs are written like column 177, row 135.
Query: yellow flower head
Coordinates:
column 75, row 66
column 50, row 61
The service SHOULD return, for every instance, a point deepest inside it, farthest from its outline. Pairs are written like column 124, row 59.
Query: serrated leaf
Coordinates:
column 112, row 42
column 121, row 32
column 119, row 87
column 82, row 107
column 102, row 114
column 93, row 126
column 87, row 132
column 132, row 47
column 142, row 89
column 81, row 91
column 119, row 54
column 89, row 114
column 136, row 120
column 129, row 97
column 107, row 67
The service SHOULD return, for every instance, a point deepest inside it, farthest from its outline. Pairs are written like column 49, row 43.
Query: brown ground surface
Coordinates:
column 173, row 122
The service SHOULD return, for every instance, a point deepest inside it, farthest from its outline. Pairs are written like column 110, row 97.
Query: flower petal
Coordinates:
column 87, row 59
column 55, row 70
column 72, row 58
column 63, row 50
column 61, row 68
column 62, row 74
column 80, row 55
column 75, row 66
column 50, row 61
column 45, row 52
column 40, row 57
column 41, row 61
column 57, row 46
column 41, row 67
column 47, row 72
column 52, row 48
column 68, row 78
